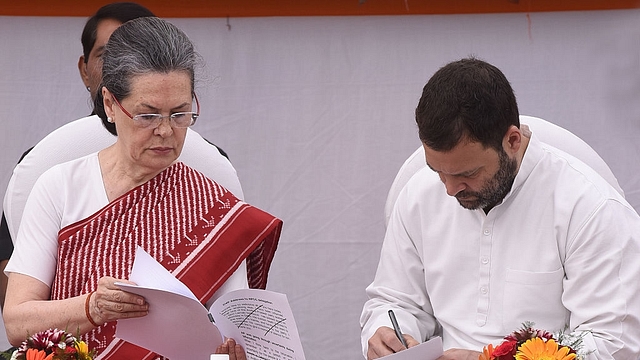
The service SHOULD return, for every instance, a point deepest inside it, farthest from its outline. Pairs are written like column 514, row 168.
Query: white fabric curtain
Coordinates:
column 316, row 114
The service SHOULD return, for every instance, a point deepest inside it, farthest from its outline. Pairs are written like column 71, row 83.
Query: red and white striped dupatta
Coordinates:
column 191, row 225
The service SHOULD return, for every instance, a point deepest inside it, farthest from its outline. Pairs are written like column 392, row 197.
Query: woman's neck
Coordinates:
column 120, row 174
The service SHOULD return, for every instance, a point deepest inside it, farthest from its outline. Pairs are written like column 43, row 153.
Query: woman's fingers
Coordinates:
column 235, row 351
column 110, row 303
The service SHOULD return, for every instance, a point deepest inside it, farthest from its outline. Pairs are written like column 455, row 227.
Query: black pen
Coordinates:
column 396, row 328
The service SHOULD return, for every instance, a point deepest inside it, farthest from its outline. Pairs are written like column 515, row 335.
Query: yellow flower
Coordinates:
column 83, row 350
column 82, row 347
column 487, row 353
column 538, row 349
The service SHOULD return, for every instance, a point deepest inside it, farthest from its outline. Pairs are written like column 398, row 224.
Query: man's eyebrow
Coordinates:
column 464, row 173
column 467, row 173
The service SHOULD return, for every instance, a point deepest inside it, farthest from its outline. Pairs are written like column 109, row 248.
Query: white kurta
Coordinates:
column 63, row 195
column 562, row 248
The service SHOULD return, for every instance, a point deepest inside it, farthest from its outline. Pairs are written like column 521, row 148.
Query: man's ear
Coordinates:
column 512, row 140
column 82, row 68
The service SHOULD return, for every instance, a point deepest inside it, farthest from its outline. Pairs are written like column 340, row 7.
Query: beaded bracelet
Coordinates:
column 86, row 309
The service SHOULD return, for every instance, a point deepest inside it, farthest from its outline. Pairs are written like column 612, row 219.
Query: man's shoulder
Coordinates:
column 571, row 171
column 583, row 159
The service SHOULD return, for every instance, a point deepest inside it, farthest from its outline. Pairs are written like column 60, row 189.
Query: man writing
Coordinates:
column 503, row 229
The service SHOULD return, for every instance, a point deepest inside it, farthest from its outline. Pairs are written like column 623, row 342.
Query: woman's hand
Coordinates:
column 109, row 303
column 235, row 351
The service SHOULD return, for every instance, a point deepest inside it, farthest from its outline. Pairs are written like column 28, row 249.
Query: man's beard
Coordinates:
column 495, row 189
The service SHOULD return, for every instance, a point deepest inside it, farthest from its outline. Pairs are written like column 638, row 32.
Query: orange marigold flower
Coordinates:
column 34, row 354
column 538, row 349
column 487, row 353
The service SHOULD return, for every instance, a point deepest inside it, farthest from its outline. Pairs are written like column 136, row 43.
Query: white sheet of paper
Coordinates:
column 191, row 334
column 429, row 350
column 147, row 272
column 262, row 320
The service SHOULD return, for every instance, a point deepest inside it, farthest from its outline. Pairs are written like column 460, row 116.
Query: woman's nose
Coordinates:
column 164, row 129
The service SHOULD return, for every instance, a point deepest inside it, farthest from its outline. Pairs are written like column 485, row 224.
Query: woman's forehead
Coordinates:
column 157, row 83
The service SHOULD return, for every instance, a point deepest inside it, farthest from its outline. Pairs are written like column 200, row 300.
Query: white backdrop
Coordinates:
column 316, row 114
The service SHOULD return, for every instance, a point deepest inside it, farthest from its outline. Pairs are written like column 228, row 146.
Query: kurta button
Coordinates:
column 483, row 290
column 487, row 232
column 485, row 260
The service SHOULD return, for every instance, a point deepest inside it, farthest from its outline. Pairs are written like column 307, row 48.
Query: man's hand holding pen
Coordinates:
column 396, row 329
column 388, row 340
column 385, row 342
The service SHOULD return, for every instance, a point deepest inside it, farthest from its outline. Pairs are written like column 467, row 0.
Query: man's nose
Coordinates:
column 452, row 185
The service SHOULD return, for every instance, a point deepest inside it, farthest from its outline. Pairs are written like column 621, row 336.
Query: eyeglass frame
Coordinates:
column 194, row 115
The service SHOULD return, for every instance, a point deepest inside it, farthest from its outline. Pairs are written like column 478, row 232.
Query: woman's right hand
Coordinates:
column 235, row 351
column 110, row 303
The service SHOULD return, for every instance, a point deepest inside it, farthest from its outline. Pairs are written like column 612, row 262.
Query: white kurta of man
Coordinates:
column 561, row 249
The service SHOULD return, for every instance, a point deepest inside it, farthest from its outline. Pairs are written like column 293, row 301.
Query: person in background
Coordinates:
column 96, row 33
column 510, row 230
column 88, row 135
column 6, row 248
column 84, row 218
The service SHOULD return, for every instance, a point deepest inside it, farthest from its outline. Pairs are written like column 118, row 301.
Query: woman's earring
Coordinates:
column 88, row 89
column 110, row 120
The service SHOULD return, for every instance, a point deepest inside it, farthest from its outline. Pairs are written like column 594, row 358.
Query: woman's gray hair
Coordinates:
column 142, row 46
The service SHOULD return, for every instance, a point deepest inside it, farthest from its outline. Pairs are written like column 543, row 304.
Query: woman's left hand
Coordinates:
column 235, row 351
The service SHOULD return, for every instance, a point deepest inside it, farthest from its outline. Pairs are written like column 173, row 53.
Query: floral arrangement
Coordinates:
column 52, row 344
column 529, row 343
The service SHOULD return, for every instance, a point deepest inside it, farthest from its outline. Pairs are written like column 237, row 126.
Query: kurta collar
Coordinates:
column 532, row 155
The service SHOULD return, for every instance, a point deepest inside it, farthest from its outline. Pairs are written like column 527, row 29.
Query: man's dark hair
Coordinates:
column 468, row 99
column 120, row 11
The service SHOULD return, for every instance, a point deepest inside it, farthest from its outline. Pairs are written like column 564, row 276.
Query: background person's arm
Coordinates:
column 6, row 248
column 3, row 282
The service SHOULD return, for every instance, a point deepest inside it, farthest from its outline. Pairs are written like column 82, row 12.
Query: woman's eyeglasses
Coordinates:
column 178, row 120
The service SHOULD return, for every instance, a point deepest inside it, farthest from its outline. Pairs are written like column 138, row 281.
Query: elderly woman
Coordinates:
column 84, row 218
